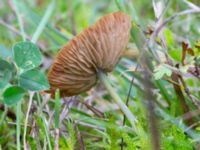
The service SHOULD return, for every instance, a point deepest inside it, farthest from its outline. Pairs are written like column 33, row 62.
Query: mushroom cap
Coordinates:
column 98, row 47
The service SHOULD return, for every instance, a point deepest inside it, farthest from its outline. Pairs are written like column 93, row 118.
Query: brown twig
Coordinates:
column 191, row 114
column 79, row 137
column 187, row 91
column 193, row 126
column 93, row 109
column 153, row 123
column 180, row 95
column 176, row 73
column 35, row 130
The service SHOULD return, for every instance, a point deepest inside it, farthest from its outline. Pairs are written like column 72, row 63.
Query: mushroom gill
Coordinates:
column 98, row 47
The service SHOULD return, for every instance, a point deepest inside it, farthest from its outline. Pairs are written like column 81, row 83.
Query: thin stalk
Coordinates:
column 18, row 112
column 31, row 94
column 43, row 121
column 127, row 101
column 132, row 119
column 57, row 109
column 56, row 119
column 44, row 21
column 19, row 18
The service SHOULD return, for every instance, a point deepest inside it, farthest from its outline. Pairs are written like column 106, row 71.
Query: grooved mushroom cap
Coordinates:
column 98, row 47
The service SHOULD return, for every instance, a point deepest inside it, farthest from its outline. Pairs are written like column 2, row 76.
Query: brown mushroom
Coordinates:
column 89, row 56
column 98, row 47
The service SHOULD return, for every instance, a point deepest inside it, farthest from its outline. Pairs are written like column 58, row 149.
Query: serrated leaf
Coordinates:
column 13, row 94
column 169, row 37
column 27, row 56
column 34, row 80
column 5, row 73
column 161, row 71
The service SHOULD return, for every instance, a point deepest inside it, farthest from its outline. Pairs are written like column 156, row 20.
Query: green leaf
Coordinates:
column 197, row 48
column 13, row 94
column 197, row 43
column 169, row 37
column 129, row 141
column 198, row 60
column 160, row 71
column 176, row 54
column 71, row 140
column 34, row 80
column 5, row 73
column 27, row 56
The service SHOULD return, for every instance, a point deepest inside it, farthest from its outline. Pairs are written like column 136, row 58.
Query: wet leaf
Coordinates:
column 5, row 73
column 13, row 94
column 34, row 80
column 27, row 56
column 169, row 37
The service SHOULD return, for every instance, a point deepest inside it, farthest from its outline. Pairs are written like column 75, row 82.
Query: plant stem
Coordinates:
column 57, row 119
column 132, row 119
column 18, row 112
column 44, row 121
column 57, row 109
column 19, row 17
column 31, row 94
column 43, row 21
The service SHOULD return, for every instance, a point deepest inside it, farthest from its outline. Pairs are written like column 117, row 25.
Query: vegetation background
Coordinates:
column 158, row 77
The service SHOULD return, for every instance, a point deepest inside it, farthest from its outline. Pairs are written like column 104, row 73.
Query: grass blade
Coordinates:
column 18, row 112
column 19, row 19
column 43, row 22
column 43, row 121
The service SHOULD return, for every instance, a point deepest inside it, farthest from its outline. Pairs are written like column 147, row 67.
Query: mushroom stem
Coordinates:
column 132, row 119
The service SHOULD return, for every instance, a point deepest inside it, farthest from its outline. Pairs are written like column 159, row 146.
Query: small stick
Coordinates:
column 79, row 137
